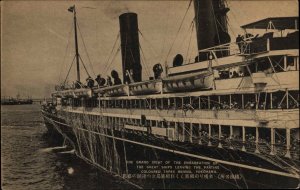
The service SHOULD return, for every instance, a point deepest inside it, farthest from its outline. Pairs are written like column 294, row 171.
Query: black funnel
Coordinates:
column 130, row 46
column 211, row 24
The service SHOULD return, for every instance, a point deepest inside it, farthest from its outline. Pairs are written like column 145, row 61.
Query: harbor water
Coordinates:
column 29, row 161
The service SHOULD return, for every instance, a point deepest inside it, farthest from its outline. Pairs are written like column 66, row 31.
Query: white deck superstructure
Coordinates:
column 246, row 100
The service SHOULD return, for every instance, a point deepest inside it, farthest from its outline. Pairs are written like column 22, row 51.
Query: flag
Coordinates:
column 71, row 9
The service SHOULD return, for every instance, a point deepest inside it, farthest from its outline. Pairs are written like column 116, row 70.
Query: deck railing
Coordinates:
column 252, row 45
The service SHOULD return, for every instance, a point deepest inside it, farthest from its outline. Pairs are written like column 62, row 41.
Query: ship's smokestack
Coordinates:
column 211, row 24
column 130, row 46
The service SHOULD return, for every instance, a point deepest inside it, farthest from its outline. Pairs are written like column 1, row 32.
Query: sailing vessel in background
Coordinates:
column 236, row 104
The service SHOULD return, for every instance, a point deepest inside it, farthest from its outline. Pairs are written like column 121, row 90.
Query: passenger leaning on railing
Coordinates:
column 250, row 105
column 290, row 66
column 239, row 41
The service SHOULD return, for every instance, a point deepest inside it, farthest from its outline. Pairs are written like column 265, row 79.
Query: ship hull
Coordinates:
column 111, row 150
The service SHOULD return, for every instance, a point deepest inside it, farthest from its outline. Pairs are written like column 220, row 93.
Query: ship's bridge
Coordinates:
column 270, row 37
column 280, row 33
column 279, row 23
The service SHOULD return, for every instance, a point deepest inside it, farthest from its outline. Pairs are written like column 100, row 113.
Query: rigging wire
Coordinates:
column 189, row 29
column 84, row 67
column 110, row 64
column 68, row 43
column 182, row 135
column 158, row 139
column 85, row 51
column 189, row 45
column 230, row 27
column 145, row 64
column 216, row 24
column 111, row 53
column 165, row 32
column 187, row 131
column 114, row 57
column 178, row 30
column 69, row 71
column 150, row 45
column 234, row 17
column 220, row 25
column 125, row 52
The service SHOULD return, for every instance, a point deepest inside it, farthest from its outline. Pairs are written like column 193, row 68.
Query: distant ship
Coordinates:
column 236, row 104
column 15, row 101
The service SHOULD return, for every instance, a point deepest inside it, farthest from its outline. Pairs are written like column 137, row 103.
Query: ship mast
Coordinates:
column 72, row 9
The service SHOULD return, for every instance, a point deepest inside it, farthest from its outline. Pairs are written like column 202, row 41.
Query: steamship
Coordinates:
column 236, row 104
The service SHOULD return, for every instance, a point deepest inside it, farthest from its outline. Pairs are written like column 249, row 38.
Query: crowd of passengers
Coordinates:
column 112, row 80
column 49, row 107
column 241, row 41
column 251, row 139
column 191, row 105
column 251, row 104
column 263, row 66
column 258, row 41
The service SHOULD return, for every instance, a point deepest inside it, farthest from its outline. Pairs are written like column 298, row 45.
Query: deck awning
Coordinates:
column 280, row 23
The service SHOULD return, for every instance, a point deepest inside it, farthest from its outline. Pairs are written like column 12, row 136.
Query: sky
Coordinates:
column 37, row 40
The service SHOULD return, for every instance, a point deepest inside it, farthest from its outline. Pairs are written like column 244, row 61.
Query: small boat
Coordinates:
column 146, row 87
column 189, row 82
column 117, row 90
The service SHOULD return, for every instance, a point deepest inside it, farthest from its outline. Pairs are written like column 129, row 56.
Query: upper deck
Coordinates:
column 261, row 63
column 280, row 37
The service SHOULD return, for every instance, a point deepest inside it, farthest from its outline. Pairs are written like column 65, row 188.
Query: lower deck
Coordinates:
column 274, row 142
column 108, row 144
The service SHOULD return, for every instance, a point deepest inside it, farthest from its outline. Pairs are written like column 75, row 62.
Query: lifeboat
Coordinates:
column 67, row 93
column 56, row 94
column 73, row 93
column 117, row 90
column 259, row 80
column 146, row 87
column 83, row 92
column 63, row 93
column 189, row 82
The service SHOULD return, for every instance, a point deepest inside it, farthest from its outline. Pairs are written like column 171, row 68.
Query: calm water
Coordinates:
column 27, row 161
